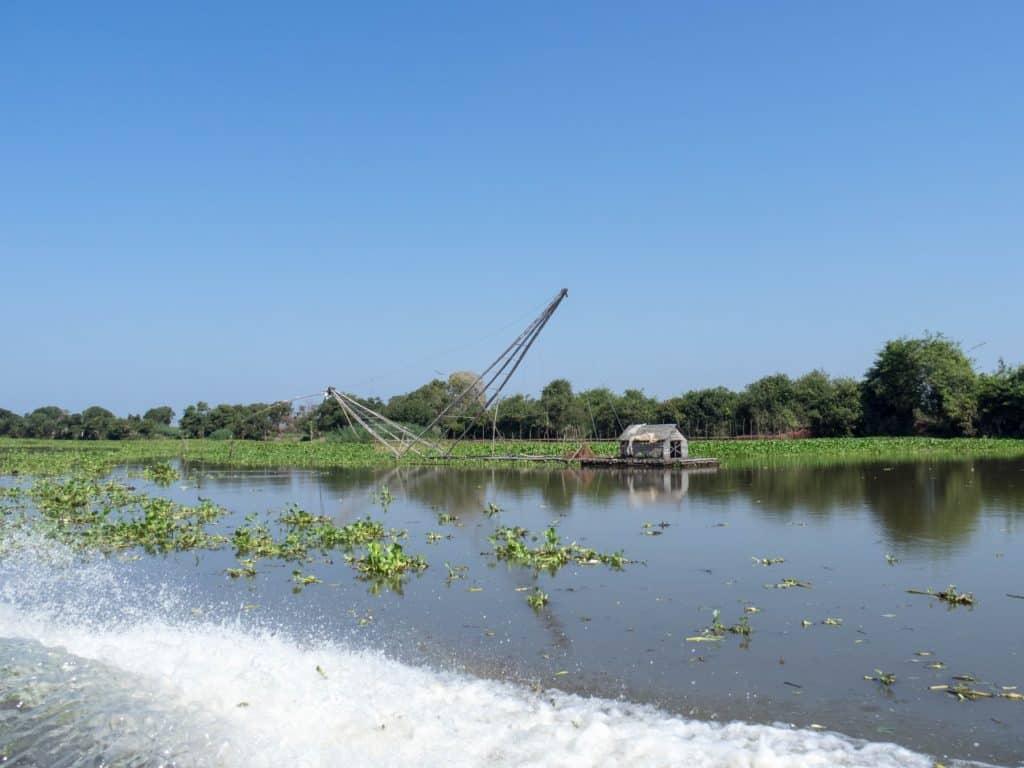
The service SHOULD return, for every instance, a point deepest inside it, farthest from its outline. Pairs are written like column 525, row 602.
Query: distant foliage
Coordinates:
column 1001, row 402
column 924, row 386
column 920, row 386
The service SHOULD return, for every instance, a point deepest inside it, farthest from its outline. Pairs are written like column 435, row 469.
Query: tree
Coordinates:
column 46, row 422
column 600, row 413
column 194, row 421
column 828, row 407
column 11, row 424
column 163, row 414
column 634, row 407
column 1001, row 402
column 923, row 386
column 770, row 405
column 560, row 406
column 97, row 423
column 419, row 406
column 520, row 416
column 702, row 412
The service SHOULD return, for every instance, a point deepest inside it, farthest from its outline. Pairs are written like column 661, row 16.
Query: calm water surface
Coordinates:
column 609, row 635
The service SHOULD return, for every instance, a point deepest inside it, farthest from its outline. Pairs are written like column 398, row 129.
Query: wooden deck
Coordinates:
column 608, row 461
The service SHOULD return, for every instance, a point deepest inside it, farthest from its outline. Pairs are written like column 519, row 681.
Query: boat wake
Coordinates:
column 101, row 669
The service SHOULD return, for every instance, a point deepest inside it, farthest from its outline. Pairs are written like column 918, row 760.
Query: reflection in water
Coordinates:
column 919, row 505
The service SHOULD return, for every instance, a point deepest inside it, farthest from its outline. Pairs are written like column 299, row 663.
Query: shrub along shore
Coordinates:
column 45, row 457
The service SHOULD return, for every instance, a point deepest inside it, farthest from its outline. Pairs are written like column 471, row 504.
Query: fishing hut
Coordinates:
column 652, row 441
column 651, row 445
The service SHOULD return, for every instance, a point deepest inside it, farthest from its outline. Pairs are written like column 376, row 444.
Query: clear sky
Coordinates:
column 250, row 201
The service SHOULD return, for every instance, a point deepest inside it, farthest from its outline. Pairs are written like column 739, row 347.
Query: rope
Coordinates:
column 615, row 414
column 458, row 348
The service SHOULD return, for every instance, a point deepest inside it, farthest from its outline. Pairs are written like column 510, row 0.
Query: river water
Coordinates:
column 146, row 660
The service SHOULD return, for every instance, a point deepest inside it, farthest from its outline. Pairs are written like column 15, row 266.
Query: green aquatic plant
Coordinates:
column 303, row 579
column 883, row 678
column 948, row 595
column 386, row 561
column 303, row 534
column 768, row 560
column 296, row 517
column 491, row 509
column 162, row 474
column 97, row 458
column 789, row 584
column 382, row 497
column 742, row 627
column 109, row 516
column 537, row 599
column 717, row 630
column 455, row 572
column 551, row 554
column 649, row 530
column 247, row 569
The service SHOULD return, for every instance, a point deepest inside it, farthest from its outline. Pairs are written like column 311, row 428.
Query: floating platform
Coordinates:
column 608, row 461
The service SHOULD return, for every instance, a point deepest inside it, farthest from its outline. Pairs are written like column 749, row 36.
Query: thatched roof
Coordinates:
column 651, row 433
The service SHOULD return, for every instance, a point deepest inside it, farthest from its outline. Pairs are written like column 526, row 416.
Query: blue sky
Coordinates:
column 248, row 201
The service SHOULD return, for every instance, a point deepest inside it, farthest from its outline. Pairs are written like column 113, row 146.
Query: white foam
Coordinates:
column 364, row 709
column 373, row 711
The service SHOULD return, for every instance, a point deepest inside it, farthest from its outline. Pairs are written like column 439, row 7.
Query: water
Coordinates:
column 166, row 661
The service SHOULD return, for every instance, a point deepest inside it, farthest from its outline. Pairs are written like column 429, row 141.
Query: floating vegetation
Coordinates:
column 294, row 517
column 789, row 584
column 650, row 531
column 303, row 534
column 883, row 678
column 832, row 621
column 742, row 627
column 491, row 509
column 455, row 572
column 247, row 568
column 717, row 630
column 386, row 561
column 537, row 599
column 96, row 458
column 162, row 474
column 891, row 559
column 949, row 595
column 510, row 544
column 433, row 538
column 109, row 516
column 382, row 497
column 304, row 580
column 443, row 518
column 768, row 560
column 964, row 692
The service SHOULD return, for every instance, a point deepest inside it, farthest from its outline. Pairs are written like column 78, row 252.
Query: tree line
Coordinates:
column 916, row 386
